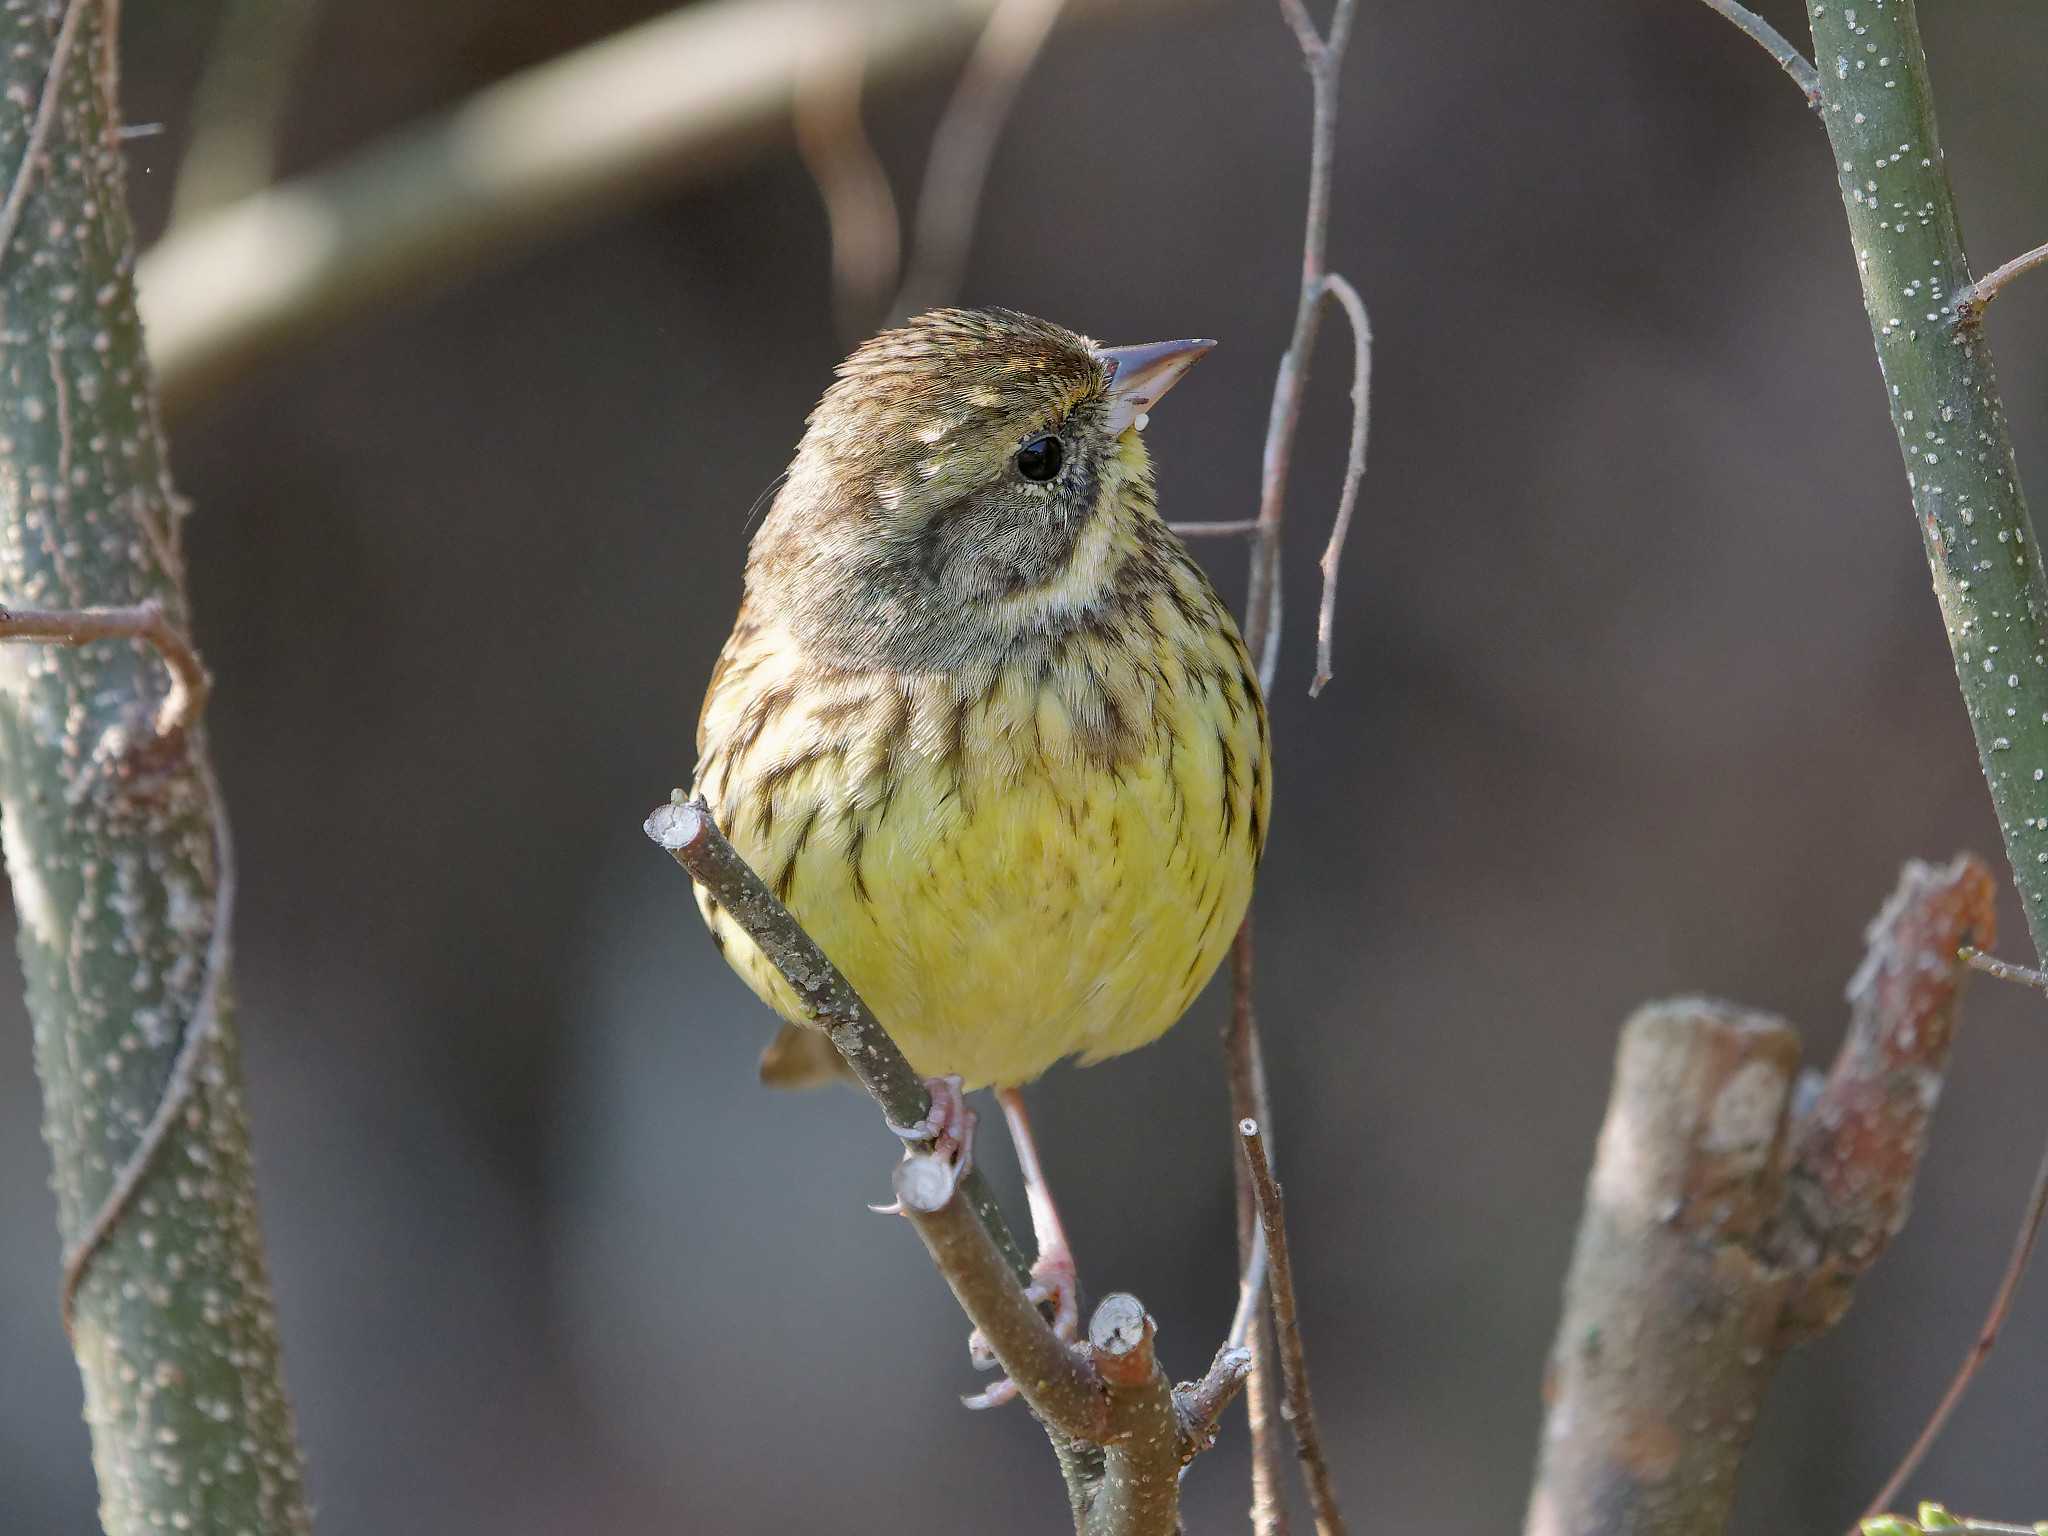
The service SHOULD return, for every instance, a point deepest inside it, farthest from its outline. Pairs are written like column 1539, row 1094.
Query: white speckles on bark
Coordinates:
column 1946, row 410
column 110, row 843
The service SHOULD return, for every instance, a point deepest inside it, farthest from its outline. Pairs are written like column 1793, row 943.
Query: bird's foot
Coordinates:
column 1054, row 1282
column 948, row 1124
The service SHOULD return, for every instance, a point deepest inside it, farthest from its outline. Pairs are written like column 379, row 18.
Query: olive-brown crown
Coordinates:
column 956, row 463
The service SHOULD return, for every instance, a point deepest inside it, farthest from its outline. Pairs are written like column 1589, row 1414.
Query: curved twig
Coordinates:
column 140, row 621
column 1975, row 298
column 200, row 1035
column 860, row 210
column 1774, row 42
column 39, row 126
column 1339, row 289
column 964, row 146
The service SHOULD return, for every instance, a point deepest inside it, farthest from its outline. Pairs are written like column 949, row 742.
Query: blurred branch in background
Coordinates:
column 1109, row 1396
column 860, row 208
column 964, row 147
column 117, row 842
column 854, row 188
column 1723, row 1224
column 239, row 105
column 654, row 106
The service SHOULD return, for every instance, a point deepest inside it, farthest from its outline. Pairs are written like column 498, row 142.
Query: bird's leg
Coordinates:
column 1054, row 1278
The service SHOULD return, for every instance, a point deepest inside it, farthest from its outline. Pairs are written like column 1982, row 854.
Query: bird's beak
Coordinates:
column 1139, row 376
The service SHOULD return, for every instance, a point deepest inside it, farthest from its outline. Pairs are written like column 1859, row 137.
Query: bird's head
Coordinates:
column 968, row 477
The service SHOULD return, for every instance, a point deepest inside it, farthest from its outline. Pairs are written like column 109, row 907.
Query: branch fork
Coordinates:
column 145, row 621
column 1723, row 1226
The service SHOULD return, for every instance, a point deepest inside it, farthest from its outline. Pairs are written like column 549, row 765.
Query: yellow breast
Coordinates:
column 1015, row 862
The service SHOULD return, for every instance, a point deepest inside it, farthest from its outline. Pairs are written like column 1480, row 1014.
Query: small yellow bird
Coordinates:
column 983, row 724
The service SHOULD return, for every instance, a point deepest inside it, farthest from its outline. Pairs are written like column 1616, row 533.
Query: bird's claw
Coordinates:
column 1054, row 1282
column 949, row 1126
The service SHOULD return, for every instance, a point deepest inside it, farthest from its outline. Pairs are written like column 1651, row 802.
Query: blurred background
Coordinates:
column 1640, row 690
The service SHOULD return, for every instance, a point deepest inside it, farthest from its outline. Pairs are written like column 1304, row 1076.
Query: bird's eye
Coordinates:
column 1040, row 458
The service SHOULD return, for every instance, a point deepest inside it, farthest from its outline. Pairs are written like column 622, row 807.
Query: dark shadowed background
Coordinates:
column 1640, row 690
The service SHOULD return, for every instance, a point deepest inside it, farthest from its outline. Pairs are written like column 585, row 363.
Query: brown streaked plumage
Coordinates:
column 986, row 729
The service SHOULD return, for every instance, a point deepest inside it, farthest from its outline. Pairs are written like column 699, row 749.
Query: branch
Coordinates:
column 32, row 156
column 1112, row 1397
column 119, row 854
column 240, row 101
column 1857, row 1148
column 860, row 209
column 1053, row 1380
column 685, row 828
column 1143, row 1443
column 1947, row 412
column 1972, row 299
column 139, row 621
column 1716, row 1235
column 654, row 106
column 1324, row 58
column 1773, row 42
column 1300, row 1408
column 964, row 146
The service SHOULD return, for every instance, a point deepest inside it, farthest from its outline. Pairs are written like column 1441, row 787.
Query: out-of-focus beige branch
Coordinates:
column 241, row 99
column 655, row 105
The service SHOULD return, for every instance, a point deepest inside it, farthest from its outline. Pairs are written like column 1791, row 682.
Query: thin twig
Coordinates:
column 1235, row 529
column 181, row 707
column 1974, row 299
column 39, row 127
column 1201, row 1403
column 860, row 210
column 1301, row 1411
column 964, row 146
column 1354, row 469
column 201, row 1034
column 2004, row 970
column 1994, row 1320
column 1323, row 54
column 1774, row 42
column 141, row 621
column 1249, row 1291
column 1053, row 1378
column 1245, row 1068
column 1324, row 57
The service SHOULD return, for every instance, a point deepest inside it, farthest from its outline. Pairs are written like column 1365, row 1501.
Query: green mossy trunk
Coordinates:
column 111, row 845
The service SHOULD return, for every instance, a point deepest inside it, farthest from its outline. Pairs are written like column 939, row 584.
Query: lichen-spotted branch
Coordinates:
column 116, row 847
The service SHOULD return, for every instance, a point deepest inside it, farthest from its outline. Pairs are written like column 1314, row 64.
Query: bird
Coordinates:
column 983, row 725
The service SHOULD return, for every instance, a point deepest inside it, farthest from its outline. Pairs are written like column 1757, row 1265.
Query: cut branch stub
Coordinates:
column 1670, row 1318
column 1715, row 1236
